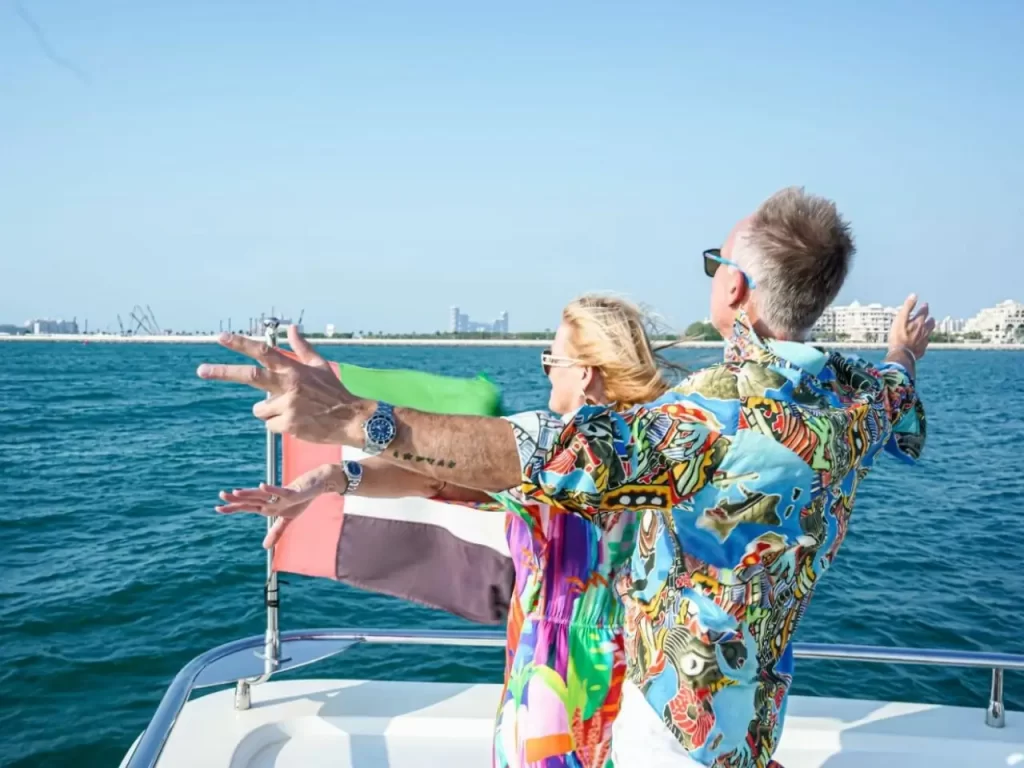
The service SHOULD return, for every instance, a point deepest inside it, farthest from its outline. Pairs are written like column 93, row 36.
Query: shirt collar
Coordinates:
column 745, row 345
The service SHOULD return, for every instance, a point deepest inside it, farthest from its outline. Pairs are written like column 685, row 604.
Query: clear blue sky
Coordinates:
column 375, row 163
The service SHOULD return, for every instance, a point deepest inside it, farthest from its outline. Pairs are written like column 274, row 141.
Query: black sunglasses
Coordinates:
column 713, row 259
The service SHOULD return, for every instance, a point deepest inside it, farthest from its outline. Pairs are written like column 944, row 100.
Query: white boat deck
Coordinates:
column 364, row 724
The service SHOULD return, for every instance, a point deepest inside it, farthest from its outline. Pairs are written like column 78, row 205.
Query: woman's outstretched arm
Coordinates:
column 422, row 562
column 380, row 480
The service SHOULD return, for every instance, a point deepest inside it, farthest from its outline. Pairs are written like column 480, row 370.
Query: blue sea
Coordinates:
column 118, row 570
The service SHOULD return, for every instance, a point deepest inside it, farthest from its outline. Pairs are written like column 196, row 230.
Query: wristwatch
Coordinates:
column 353, row 471
column 379, row 430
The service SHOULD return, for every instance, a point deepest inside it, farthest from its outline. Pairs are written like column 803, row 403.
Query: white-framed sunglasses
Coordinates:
column 549, row 361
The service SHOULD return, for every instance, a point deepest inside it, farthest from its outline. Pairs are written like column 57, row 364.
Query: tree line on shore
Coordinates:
column 694, row 332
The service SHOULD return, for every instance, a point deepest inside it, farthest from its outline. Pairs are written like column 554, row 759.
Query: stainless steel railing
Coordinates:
column 272, row 637
column 239, row 659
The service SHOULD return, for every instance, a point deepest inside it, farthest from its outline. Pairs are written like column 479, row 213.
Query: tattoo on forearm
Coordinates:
column 469, row 451
column 416, row 458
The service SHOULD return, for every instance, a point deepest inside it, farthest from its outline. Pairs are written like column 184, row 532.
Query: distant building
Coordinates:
column 329, row 330
column 951, row 326
column 825, row 327
column 1001, row 324
column 461, row 323
column 39, row 327
column 9, row 329
column 855, row 322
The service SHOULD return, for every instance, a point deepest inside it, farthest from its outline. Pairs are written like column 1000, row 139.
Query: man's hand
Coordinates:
column 911, row 330
column 308, row 400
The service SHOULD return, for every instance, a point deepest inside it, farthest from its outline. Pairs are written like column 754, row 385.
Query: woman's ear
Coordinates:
column 587, row 374
column 593, row 385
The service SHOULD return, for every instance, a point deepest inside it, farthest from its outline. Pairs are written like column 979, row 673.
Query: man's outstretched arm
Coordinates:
column 570, row 466
column 471, row 451
column 306, row 399
column 573, row 466
column 908, row 341
column 894, row 382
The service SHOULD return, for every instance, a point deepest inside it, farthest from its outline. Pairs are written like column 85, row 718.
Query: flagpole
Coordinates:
column 272, row 638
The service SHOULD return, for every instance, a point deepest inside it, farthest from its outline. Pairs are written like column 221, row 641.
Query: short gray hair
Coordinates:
column 798, row 250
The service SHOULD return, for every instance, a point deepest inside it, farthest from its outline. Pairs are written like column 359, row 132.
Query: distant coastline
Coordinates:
column 440, row 342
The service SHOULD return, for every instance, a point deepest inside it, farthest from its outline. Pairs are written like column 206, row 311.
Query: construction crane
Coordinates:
column 145, row 321
column 153, row 318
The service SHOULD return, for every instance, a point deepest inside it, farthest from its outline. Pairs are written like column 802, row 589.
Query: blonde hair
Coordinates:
column 612, row 335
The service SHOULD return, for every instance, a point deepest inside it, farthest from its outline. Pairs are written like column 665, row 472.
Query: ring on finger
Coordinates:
column 273, row 499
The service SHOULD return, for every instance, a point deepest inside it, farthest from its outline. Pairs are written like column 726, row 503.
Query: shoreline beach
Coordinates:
column 441, row 342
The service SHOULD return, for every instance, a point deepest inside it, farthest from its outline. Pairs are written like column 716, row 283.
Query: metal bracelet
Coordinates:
column 906, row 350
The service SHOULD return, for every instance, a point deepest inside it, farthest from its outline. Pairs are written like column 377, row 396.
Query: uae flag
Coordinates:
column 447, row 556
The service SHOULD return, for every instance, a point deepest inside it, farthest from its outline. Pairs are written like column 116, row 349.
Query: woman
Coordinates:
column 565, row 662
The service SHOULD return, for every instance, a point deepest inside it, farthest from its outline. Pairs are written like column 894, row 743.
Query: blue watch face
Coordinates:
column 354, row 469
column 380, row 430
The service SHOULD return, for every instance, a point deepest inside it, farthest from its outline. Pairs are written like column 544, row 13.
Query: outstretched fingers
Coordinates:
column 244, row 506
column 260, row 351
column 267, row 500
column 270, row 377
column 254, row 376
column 905, row 311
column 303, row 349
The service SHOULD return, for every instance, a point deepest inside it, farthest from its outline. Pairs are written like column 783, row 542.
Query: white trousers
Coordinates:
column 641, row 740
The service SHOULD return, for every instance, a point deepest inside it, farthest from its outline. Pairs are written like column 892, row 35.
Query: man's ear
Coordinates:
column 737, row 288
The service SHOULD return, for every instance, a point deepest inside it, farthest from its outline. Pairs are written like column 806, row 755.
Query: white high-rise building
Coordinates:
column 47, row 326
column 1001, row 324
column 950, row 326
column 461, row 323
column 855, row 322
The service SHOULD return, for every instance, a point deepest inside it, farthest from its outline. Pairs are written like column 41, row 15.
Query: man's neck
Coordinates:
column 767, row 334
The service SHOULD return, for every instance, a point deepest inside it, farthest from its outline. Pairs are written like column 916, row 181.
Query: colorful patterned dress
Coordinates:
column 566, row 659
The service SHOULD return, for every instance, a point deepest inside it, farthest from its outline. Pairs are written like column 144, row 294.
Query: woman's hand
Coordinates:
column 284, row 502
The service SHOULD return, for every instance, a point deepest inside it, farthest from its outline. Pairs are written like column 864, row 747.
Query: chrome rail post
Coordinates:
column 995, row 715
column 272, row 649
column 272, row 638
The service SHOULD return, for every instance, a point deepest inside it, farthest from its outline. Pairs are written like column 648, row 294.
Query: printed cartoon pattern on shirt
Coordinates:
column 743, row 478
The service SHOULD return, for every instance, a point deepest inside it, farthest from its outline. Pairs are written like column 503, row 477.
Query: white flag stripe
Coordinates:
column 472, row 525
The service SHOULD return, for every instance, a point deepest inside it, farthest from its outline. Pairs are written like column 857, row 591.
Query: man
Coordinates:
column 744, row 478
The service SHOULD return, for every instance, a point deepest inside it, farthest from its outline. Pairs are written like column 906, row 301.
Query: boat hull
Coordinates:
column 363, row 724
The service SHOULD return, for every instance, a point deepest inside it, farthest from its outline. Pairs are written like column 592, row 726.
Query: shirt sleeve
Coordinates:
column 895, row 397
column 576, row 465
